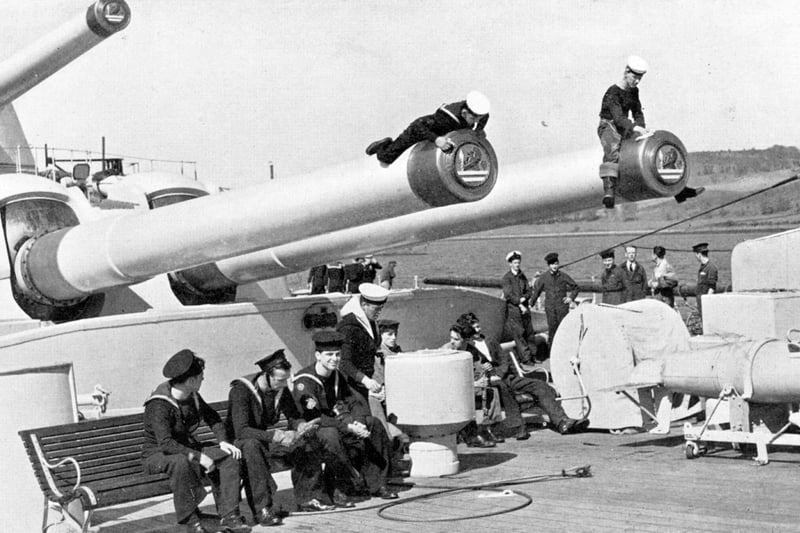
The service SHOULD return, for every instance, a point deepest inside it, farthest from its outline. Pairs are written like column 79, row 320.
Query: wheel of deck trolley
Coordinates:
column 692, row 450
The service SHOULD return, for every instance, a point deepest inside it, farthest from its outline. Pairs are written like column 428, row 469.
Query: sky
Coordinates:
column 306, row 84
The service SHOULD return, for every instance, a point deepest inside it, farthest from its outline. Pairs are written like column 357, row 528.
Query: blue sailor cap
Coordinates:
column 551, row 258
column 182, row 363
column 272, row 360
column 327, row 340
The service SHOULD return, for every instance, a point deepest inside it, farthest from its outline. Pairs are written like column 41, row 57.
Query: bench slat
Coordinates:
column 92, row 436
column 105, row 455
column 109, row 452
column 68, row 432
column 92, row 478
column 89, row 470
column 77, row 453
column 133, row 493
column 115, row 421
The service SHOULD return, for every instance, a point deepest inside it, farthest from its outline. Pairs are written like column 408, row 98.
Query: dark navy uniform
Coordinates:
column 354, row 276
column 542, row 393
column 336, row 278
column 517, row 323
column 335, row 404
column 251, row 415
column 507, row 400
column 358, row 351
column 371, row 272
column 170, row 448
column 318, row 278
column 613, row 283
column 618, row 104
column 707, row 277
column 427, row 128
column 556, row 286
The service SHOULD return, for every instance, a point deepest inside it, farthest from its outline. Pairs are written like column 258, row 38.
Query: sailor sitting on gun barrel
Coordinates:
column 472, row 113
column 621, row 117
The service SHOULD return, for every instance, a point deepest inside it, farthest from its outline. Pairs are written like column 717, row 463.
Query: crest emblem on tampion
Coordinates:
column 472, row 164
column 670, row 163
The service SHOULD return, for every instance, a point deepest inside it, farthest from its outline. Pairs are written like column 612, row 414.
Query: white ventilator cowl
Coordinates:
column 478, row 103
column 637, row 64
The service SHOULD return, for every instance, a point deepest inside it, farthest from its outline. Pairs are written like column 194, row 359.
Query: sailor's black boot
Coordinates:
column 609, row 184
column 687, row 193
column 377, row 145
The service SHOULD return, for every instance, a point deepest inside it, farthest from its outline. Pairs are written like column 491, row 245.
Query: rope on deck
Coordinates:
column 567, row 473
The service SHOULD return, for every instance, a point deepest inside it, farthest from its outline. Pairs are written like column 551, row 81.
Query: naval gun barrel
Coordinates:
column 766, row 371
column 33, row 64
column 536, row 189
column 71, row 263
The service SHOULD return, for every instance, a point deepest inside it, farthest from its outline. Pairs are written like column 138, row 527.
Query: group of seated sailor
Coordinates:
column 498, row 382
column 338, row 440
column 328, row 424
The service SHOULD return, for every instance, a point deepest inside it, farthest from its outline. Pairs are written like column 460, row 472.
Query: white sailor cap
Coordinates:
column 478, row 103
column 513, row 254
column 373, row 294
column 637, row 65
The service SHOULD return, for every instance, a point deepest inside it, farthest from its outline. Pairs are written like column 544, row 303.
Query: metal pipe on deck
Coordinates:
column 527, row 191
column 74, row 262
column 28, row 67
column 685, row 290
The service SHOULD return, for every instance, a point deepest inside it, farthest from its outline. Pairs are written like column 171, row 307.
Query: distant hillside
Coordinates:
column 727, row 176
column 715, row 167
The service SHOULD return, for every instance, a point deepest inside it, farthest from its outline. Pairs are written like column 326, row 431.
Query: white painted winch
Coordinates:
column 431, row 394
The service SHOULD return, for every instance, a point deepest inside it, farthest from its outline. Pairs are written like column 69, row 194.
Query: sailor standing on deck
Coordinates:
column 172, row 413
column 336, row 279
column 517, row 294
column 561, row 291
column 634, row 275
column 611, row 280
column 361, row 339
column 371, row 267
column 707, row 274
column 387, row 278
column 354, row 275
column 664, row 278
column 317, row 279
column 621, row 117
column 472, row 113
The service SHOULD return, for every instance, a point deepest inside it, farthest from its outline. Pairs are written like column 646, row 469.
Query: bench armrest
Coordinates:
column 47, row 467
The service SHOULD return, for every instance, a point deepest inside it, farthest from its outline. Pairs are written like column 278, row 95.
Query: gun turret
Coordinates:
column 60, row 261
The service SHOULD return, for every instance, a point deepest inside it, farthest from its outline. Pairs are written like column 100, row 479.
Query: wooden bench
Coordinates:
column 93, row 464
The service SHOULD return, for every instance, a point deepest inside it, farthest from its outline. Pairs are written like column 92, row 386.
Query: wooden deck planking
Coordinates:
column 639, row 483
